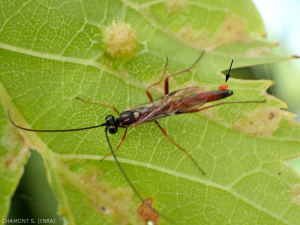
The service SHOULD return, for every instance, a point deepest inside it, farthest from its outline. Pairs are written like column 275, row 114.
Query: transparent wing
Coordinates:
column 177, row 102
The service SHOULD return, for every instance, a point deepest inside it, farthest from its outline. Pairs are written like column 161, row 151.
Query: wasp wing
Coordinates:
column 177, row 102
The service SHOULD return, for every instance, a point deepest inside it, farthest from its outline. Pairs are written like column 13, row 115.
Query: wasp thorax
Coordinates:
column 111, row 125
column 127, row 118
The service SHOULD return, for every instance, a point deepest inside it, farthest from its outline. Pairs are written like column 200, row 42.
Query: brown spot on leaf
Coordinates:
column 17, row 150
column 295, row 191
column 64, row 211
column 147, row 213
column 272, row 115
column 176, row 6
column 9, row 161
column 200, row 38
column 254, row 52
column 11, row 137
column 262, row 121
column 233, row 29
column 108, row 200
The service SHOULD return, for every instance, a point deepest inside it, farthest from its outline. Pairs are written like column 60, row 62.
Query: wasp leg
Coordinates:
column 147, row 92
column 121, row 142
column 97, row 103
column 183, row 71
column 167, row 136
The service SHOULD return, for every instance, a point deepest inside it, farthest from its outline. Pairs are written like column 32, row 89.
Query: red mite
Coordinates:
column 223, row 87
column 185, row 100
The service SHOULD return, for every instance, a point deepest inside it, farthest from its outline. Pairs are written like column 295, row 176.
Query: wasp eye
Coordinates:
column 109, row 117
column 112, row 129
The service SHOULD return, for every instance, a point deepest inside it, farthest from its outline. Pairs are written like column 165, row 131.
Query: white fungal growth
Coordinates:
column 120, row 40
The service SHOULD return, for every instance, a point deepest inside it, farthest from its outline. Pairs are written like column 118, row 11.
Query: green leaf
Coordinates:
column 52, row 51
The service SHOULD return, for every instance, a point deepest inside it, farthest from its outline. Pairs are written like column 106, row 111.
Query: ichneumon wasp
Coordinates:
column 185, row 100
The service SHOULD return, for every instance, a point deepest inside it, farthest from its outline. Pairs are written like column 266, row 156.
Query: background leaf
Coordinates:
column 52, row 52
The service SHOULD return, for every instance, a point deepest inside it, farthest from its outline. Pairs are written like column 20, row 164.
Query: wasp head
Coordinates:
column 110, row 124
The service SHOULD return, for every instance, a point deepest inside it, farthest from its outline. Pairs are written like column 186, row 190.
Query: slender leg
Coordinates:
column 147, row 92
column 222, row 103
column 96, row 103
column 167, row 136
column 183, row 71
column 122, row 140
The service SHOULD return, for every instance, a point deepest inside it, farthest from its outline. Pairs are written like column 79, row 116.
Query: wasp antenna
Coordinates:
column 129, row 182
column 120, row 167
column 77, row 129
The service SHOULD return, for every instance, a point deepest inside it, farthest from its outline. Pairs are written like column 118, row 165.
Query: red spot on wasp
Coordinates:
column 223, row 87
